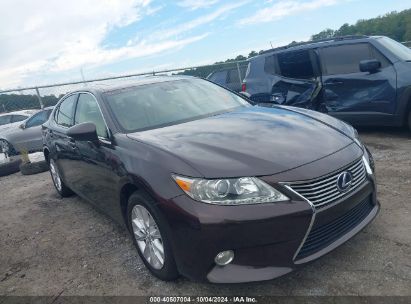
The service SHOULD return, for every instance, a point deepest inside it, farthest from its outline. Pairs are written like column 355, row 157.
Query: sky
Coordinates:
column 52, row 41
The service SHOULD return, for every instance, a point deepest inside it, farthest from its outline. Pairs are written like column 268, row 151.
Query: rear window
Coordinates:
column 233, row 77
column 4, row 119
column 17, row 118
column 219, row 77
column 296, row 64
column 269, row 65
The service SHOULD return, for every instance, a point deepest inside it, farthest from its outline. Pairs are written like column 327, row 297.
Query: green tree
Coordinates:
column 327, row 33
column 396, row 25
column 252, row 54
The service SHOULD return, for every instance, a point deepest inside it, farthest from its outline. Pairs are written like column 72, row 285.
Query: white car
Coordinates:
column 14, row 119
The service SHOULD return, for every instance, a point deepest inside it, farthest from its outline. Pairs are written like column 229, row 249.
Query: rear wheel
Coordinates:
column 61, row 188
column 147, row 227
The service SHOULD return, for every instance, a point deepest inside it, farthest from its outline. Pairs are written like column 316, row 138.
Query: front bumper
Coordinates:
column 269, row 240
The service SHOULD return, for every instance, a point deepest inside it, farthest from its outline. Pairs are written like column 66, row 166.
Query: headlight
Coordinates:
column 368, row 161
column 367, row 166
column 233, row 191
column 356, row 137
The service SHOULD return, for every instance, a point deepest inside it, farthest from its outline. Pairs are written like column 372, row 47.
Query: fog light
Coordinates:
column 224, row 257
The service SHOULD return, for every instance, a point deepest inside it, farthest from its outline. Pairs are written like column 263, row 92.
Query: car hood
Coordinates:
column 333, row 122
column 252, row 141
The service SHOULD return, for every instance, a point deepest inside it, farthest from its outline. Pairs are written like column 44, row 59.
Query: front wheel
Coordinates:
column 60, row 186
column 147, row 226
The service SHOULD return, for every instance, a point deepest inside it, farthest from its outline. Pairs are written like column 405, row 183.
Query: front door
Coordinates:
column 350, row 94
column 96, row 166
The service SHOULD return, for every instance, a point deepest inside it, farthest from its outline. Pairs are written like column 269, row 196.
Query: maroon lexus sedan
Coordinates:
column 210, row 186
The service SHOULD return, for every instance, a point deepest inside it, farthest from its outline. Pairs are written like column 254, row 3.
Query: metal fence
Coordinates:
column 37, row 97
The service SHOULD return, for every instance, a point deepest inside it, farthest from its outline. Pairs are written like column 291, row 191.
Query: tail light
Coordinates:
column 243, row 87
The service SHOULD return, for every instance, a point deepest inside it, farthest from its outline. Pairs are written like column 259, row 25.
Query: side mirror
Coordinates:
column 22, row 126
column 370, row 66
column 83, row 132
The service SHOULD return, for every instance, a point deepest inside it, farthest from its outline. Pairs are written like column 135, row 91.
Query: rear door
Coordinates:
column 355, row 96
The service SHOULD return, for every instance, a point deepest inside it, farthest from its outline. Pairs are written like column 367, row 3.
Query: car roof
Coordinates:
column 108, row 87
column 317, row 43
column 21, row 112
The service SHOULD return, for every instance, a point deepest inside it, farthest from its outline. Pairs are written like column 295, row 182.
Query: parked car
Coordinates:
column 13, row 119
column 359, row 79
column 229, row 78
column 210, row 186
column 26, row 136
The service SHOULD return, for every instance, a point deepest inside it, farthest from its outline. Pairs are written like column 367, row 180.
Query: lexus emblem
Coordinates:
column 344, row 181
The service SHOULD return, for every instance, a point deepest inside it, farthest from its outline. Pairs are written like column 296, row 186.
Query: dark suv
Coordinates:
column 360, row 79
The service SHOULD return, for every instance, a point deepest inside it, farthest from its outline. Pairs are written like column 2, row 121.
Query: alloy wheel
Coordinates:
column 55, row 175
column 148, row 237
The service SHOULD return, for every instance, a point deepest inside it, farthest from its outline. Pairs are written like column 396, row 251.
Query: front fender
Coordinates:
column 328, row 120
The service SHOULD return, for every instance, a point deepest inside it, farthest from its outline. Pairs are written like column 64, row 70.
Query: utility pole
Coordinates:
column 39, row 97
column 82, row 76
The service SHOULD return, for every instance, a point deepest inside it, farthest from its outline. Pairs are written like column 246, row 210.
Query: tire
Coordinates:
column 138, row 202
column 58, row 183
column 10, row 167
column 7, row 148
column 34, row 168
column 409, row 120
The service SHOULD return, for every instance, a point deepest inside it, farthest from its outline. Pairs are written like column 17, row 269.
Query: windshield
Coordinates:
column 398, row 49
column 166, row 103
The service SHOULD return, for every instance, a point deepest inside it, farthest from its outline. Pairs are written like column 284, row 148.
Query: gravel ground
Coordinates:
column 53, row 246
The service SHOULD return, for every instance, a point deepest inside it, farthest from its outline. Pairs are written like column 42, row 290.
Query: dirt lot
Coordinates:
column 52, row 246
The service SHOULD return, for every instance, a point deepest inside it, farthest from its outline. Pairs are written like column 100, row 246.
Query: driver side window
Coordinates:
column 88, row 111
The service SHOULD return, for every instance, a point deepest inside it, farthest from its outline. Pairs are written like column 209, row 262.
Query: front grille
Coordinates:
column 322, row 236
column 323, row 191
